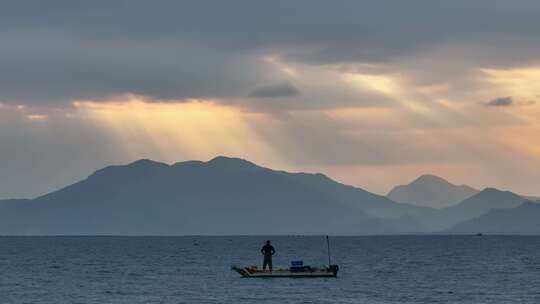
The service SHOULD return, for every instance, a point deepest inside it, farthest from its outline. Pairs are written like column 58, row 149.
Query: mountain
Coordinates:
column 13, row 201
column 531, row 198
column 431, row 191
column 477, row 205
column 221, row 196
column 485, row 200
column 524, row 219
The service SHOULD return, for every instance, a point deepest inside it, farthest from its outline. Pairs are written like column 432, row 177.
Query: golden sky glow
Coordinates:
column 391, row 86
column 425, row 131
column 172, row 131
column 370, row 98
column 37, row 117
column 522, row 84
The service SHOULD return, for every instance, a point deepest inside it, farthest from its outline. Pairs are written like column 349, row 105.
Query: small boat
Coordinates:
column 308, row 272
column 297, row 270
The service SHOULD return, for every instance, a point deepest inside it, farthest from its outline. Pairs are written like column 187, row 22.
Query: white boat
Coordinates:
column 308, row 272
column 297, row 270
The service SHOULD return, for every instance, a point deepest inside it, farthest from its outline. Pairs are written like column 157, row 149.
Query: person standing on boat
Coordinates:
column 267, row 251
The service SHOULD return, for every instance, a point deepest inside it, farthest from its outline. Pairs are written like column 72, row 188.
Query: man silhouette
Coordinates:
column 267, row 250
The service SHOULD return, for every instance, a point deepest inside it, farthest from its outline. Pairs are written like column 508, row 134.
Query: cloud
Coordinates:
column 508, row 102
column 500, row 102
column 370, row 87
column 276, row 90
column 46, row 67
column 181, row 50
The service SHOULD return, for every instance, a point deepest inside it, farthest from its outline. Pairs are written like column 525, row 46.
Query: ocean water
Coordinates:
column 374, row 269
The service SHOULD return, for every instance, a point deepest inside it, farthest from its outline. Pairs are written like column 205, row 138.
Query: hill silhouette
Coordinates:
column 485, row 200
column 221, row 196
column 474, row 206
column 523, row 219
column 228, row 196
column 431, row 191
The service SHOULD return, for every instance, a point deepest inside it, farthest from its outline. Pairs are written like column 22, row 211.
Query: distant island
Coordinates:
column 520, row 220
column 231, row 196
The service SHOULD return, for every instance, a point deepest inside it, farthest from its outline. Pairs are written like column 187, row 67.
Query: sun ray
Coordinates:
column 180, row 129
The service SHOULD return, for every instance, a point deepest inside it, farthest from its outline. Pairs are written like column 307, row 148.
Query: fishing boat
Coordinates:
column 297, row 270
column 308, row 272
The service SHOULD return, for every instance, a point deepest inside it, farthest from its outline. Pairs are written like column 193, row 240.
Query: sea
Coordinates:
column 196, row 269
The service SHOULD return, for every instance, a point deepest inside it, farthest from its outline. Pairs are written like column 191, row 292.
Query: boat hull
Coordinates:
column 248, row 273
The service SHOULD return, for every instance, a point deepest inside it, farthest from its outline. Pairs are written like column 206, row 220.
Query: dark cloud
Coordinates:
column 50, row 67
column 206, row 49
column 508, row 102
column 276, row 90
column 501, row 102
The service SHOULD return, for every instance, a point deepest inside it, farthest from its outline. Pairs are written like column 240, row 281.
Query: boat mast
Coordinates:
column 328, row 246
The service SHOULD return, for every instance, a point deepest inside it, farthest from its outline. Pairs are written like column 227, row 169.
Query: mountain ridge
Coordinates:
column 429, row 190
column 519, row 220
column 228, row 196
column 223, row 195
column 475, row 206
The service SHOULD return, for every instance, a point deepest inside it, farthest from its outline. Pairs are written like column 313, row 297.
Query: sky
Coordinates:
column 370, row 93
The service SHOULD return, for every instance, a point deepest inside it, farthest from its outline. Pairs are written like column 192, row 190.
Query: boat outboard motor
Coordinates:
column 333, row 268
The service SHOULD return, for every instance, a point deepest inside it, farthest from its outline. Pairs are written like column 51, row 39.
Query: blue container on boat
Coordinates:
column 297, row 266
column 297, row 263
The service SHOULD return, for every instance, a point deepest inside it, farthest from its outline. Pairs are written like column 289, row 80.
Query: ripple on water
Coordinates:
column 379, row 269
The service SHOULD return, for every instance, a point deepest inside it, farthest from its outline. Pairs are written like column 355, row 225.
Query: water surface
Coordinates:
column 374, row 269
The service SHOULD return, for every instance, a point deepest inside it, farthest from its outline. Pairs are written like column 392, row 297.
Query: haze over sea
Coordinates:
column 373, row 269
